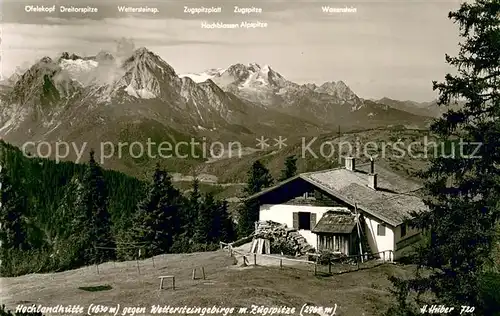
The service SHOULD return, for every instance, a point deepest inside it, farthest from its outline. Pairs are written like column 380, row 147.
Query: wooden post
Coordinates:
column 383, row 254
column 315, row 268
column 203, row 272
column 138, row 269
column 193, row 274
column 329, row 267
column 230, row 250
column 153, row 259
column 255, row 259
column 161, row 283
column 281, row 263
column 357, row 225
column 97, row 267
column 173, row 283
column 357, row 261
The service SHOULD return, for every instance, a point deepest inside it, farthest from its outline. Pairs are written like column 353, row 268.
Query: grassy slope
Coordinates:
column 363, row 292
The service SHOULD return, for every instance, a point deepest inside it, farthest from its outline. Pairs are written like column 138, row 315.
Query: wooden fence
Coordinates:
column 335, row 265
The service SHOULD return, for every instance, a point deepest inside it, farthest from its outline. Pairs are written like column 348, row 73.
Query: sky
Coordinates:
column 391, row 48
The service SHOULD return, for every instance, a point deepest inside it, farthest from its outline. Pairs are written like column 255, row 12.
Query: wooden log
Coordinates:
column 260, row 245
column 254, row 246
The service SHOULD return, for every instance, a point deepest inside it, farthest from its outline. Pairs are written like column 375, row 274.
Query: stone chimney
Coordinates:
column 350, row 163
column 372, row 176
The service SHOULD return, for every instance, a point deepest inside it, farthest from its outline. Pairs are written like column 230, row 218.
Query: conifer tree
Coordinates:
column 93, row 218
column 223, row 223
column 258, row 179
column 157, row 218
column 192, row 209
column 463, row 184
column 290, row 169
column 204, row 232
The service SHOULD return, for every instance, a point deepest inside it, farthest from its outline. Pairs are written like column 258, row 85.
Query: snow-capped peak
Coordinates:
column 78, row 67
column 204, row 76
column 243, row 76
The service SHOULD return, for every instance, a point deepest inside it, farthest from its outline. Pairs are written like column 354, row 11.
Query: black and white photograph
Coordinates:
column 250, row 157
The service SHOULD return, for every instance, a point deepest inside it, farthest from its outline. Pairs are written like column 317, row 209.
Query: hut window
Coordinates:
column 403, row 230
column 304, row 220
column 380, row 230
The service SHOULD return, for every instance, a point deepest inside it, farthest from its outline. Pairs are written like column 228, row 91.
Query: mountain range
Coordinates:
column 430, row 108
column 330, row 104
column 111, row 98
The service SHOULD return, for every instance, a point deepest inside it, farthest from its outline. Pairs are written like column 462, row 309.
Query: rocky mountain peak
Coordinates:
column 143, row 59
column 254, row 67
column 44, row 60
column 146, row 75
column 338, row 88
column 251, row 76
column 104, row 56
column 238, row 71
column 66, row 55
column 42, row 86
column 142, row 51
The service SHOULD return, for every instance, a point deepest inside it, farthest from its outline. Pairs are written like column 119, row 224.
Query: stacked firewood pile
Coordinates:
column 283, row 239
column 270, row 229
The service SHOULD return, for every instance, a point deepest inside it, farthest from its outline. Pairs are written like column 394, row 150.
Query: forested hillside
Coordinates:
column 58, row 216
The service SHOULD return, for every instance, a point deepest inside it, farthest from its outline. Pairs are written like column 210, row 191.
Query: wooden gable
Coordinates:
column 300, row 192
